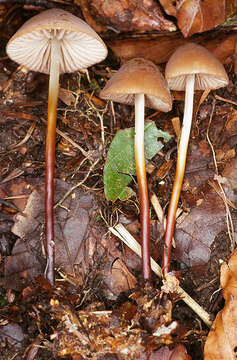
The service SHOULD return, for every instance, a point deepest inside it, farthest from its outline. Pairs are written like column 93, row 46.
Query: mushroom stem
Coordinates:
column 50, row 157
column 142, row 184
column 180, row 168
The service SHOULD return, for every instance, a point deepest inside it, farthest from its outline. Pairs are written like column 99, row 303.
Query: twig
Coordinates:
column 59, row 203
column 225, row 100
column 158, row 209
column 26, row 138
column 216, row 188
column 87, row 154
column 120, row 231
column 100, row 114
column 8, row 204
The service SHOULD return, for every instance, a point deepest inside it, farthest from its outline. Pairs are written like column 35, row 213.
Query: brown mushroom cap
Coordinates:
column 81, row 46
column 195, row 59
column 139, row 76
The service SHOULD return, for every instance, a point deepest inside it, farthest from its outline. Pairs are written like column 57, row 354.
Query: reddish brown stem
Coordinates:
column 178, row 181
column 180, row 168
column 145, row 225
column 50, row 160
column 142, row 185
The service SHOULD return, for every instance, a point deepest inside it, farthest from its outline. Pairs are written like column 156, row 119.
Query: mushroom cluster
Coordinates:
column 54, row 42
column 191, row 67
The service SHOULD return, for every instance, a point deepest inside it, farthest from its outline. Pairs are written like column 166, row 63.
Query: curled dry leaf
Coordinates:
column 129, row 15
column 222, row 339
column 118, row 278
column 198, row 16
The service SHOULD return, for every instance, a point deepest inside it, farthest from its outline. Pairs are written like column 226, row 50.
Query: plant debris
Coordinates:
column 100, row 309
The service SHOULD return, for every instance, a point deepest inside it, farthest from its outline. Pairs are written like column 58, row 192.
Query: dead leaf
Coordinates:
column 72, row 224
column 231, row 125
column 222, row 338
column 118, row 279
column 13, row 334
column 76, row 240
column 226, row 49
column 178, row 353
column 67, row 96
column 230, row 173
column 195, row 16
column 128, row 15
column 23, row 265
column 164, row 169
column 195, row 234
column 170, row 6
column 159, row 49
column 197, row 231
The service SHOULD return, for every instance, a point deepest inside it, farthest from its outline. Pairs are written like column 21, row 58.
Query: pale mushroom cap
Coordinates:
column 81, row 46
column 139, row 76
column 195, row 59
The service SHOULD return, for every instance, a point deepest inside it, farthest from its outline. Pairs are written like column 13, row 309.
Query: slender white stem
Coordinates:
column 139, row 130
column 187, row 120
column 54, row 67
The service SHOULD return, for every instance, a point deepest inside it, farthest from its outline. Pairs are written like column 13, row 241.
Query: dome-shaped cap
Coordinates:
column 195, row 59
column 81, row 46
column 139, row 76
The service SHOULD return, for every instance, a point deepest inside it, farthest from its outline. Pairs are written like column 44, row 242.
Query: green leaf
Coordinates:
column 120, row 165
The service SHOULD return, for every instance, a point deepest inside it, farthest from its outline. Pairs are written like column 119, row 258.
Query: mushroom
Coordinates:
column 54, row 42
column 140, row 82
column 191, row 67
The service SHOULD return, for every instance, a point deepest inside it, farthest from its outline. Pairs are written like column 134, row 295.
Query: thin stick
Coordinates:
column 87, row 154
column 120, row 231
column 50, row 158
column 179, row 175
column 142, row 184
column 60, row 202
column 158, row 209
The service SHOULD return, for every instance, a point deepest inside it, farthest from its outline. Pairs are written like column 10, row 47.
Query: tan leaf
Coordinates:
column 127, row 15
column 198, row 16
column 222, row 339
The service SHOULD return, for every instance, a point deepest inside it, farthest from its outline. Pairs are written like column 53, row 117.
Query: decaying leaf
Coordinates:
column 13, row 334
column 231, row 125
column 67, row 96
column 79, row 241
column 118, row 278
column 129, row 332
column 129, row 15
column 178, row 353
column 159, row 49
column 72, row 224
column 170, row 6
column 198, row 16
column 222, row 339
column 197, row 230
